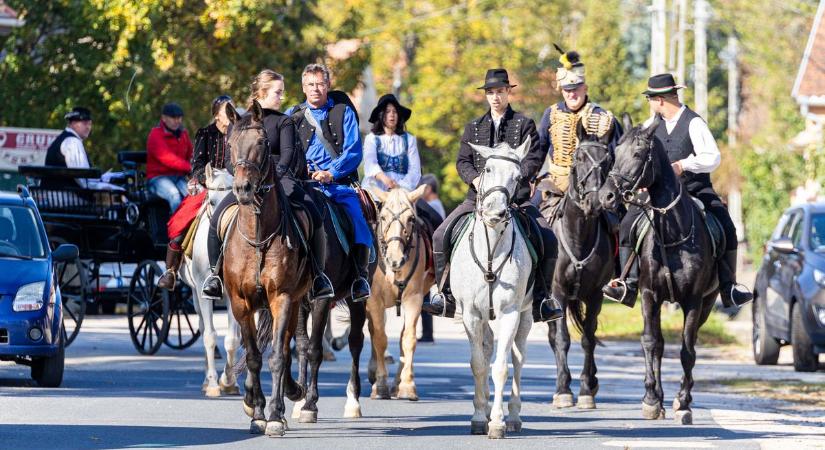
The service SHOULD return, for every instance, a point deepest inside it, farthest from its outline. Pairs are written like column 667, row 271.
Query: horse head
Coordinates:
column 593, row 161
column 634, row 167
column 218, row 184
column 498, row 180
column 397, row 224
column 249, row 148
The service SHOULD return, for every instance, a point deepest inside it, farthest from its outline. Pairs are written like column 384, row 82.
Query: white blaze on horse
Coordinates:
column 193, row 272
column 401, row 280
column 492, row 282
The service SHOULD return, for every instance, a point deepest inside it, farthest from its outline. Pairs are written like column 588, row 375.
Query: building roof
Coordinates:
column 809, row 87
column 8, row 18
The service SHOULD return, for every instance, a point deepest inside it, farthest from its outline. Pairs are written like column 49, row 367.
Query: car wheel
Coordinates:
column 765, row 347
column 804, row 358
column 48, row 372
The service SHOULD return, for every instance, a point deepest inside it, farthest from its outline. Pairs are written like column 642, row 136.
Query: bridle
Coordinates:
column 406, row 245
column 496, row 189
column 595, row 169
column 262, row 168
column 629, row 195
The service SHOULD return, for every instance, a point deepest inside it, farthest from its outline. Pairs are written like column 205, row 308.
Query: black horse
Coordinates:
column 309, row 343
column 586, row 260
column 676, row 258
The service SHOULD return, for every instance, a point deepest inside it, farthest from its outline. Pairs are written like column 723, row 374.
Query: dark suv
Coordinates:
column 790, row 290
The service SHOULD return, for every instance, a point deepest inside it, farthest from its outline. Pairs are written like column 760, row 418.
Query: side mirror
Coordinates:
column 65, row 253
column 783, row 245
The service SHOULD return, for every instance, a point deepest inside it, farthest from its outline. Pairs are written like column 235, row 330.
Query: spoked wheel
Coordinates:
column 74, row 287
column 147, row 308
column 183, row 320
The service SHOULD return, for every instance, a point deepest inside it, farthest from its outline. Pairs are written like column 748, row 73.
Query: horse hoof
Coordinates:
column 563, row 400
column 308, row 416
column 276, row 428
column 513, row 427
column 330, row 357
column 652, row 412
column 352, row 412
column 213, row 391
column 296, row 409
column 586, row 402
column 683, row 417
column 389, row 359
column 407, row 393
column 231, row 389
column 676, row 404
column 248, row 409
column 258, row 427
column 478, row 427
column 496, row 432
column 380, row 392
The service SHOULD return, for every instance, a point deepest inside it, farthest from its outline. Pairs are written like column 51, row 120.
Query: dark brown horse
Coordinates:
column 263, row 271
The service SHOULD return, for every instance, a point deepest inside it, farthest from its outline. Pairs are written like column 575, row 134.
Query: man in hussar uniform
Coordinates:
column 557, row 130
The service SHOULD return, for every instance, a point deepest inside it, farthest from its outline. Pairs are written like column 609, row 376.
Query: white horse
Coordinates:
column 491, row 283
column 193, row 272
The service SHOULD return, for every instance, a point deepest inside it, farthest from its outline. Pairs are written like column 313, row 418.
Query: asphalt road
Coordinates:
column 114, row 398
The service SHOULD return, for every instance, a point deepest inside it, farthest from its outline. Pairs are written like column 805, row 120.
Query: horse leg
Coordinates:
column 254, row 400
column 507, row 326
column 480, row 364
column 292, row 389
column 281, row 318
column 589, row 382
column 653, row 347
column 228, row 381
column 518, row 355
column 681, row 404
column 211, row 388
column 405, row 377
column 559, row 337
column 358, row 315
column 377, row 368
column 315, row 353
column 302, row 348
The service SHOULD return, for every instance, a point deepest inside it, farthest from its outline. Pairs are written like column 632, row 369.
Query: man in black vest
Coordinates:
column 67, row 149
column 499, row 124
column 693, row 155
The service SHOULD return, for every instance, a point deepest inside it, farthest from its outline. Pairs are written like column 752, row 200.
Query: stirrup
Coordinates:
column 618, row 282
column 203, row 286
column 331, row 294
column 174, row 276
column 746, row 290
column 352, row 293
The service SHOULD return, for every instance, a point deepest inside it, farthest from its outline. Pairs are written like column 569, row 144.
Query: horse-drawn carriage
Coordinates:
column 121, row 225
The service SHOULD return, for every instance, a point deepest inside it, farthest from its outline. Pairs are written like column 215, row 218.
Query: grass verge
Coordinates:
column 795, row 391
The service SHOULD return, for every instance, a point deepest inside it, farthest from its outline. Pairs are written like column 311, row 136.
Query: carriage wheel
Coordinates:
column 73, row 282
column 183, row 320
column 147, row 308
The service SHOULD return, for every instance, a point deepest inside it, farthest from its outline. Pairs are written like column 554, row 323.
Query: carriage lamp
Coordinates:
column 29, row 297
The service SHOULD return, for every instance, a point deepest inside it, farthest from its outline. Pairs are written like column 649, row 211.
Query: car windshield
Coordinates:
column 19, row 235
column 818, row 232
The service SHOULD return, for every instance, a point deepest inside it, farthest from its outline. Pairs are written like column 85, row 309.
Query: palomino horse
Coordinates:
column 676, row 259
column 264, row 271
column 192, row 272
column 585, row 264
column 492, row 283
column 401, row 280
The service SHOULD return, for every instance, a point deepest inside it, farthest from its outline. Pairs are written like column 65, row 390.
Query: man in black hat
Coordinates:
column 693, row 154
column 67, row 149
column 499, row 124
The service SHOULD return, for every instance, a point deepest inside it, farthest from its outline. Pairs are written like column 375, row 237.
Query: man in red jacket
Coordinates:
column 169, row 152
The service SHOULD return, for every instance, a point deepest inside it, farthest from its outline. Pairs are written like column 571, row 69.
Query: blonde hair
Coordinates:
column 262, row 83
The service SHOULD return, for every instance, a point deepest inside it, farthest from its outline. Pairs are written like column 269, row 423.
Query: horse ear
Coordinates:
column 482, row 150
column 231, row 114
column 379, row 194
column 523, row 149
column 581, row 133
column 257, row 111
column 650, row 130
column 415, row 195
column 627, row 122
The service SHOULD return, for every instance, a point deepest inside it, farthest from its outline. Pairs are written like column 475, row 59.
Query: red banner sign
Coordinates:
column 24, row 146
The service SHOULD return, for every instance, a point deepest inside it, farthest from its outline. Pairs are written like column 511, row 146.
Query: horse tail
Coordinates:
column 264, row 340
column 576, row 310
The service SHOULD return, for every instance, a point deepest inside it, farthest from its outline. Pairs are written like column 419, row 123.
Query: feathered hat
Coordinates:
column 571, row 73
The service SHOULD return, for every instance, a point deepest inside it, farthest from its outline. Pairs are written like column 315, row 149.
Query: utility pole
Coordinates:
column 732, row 53
column 682, row 43
column 700, row 43
column 658, row 38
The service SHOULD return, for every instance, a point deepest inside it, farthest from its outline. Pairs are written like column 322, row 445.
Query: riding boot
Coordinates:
column 545, row 307
column 173, row 259
column 360, row 289
column 213, row 286
column 441, row 302
column 321, row 285
column 733, row 294
column 625, row 290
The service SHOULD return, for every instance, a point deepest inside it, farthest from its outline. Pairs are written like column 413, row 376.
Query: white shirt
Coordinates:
column 707, row 157
column 392, row 145
column 74, row 152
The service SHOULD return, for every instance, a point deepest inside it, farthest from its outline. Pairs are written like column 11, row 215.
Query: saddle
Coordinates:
column 641, row 226
column 341, row 223
column 526, row 225
column 189, row 239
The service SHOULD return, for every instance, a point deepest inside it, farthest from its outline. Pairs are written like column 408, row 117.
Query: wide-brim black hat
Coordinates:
column 661, row 84
column 78, row 113
column 403, row 112
column 496, row 78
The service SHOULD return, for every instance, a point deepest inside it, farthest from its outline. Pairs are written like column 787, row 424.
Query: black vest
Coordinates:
column 54, row 157
column 679, row 146
column 332, row 127
column 484, row 133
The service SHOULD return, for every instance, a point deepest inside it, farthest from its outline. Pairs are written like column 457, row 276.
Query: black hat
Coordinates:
column 496, row 78
column 172, row 110
column 78, row 113
column 403, row 113
column 661, row 84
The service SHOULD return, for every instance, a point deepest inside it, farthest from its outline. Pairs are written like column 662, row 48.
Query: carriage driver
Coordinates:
column 693, row 155
column 499, row 124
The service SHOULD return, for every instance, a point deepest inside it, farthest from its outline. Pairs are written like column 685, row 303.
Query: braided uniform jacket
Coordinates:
column 563, row 137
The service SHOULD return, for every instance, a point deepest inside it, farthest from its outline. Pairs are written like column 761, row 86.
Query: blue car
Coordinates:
column 31, row 314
